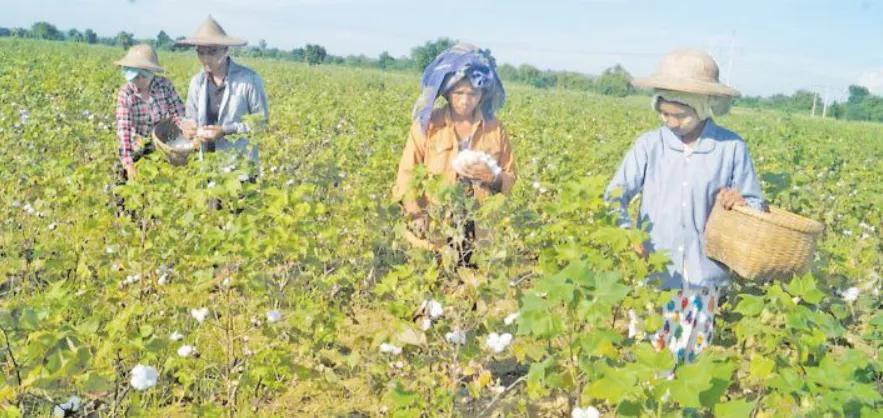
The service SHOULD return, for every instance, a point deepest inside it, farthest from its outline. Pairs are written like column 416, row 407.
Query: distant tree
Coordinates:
column 385, row 61
column 164, row 41
column 19, row 33
column 124, row 39
column 5, row 32
column 262, row 44
column 298, row 54
column 857, row 94
column 90, row 36
column 75, row 36
column 314, row 54
column 615, row 81
column 44, row 30
column 424, row 54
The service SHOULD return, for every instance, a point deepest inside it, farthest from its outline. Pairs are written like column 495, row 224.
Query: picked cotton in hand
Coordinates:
column 181, row 144
column 467, row 158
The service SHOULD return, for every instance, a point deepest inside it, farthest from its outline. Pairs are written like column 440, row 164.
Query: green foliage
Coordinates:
column 86, row 294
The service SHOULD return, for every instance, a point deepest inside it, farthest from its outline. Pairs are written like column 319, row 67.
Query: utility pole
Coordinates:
column 815, row 98
column 825, row 103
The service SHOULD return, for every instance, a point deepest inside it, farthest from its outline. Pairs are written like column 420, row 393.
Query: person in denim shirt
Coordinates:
column 681, row 170
column 221, row 94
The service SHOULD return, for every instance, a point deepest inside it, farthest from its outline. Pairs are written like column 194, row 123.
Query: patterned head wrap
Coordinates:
column 460, row 62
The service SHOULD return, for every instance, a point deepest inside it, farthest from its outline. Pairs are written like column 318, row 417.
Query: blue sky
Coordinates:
column 763, row 47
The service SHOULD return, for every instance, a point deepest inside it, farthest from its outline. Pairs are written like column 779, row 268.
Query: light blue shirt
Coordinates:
column 244, row 94
column 678, row 189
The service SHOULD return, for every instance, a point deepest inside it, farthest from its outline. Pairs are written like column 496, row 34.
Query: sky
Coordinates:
column 762, row 47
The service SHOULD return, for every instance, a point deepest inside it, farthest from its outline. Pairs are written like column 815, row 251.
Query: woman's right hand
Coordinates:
column 188, row 128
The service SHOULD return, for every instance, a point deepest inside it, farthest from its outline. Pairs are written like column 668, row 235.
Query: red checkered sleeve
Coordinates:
column 125, row 125
column 170, row 103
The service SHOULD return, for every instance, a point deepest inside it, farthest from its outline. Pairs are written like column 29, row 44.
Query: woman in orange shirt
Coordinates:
column 461, row 141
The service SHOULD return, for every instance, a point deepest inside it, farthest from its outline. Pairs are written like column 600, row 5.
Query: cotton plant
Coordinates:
column 199, row 314
column 457, row 337
column 186, row 351
column 387, row 348
column 498, row 343
column 144, row 377
column 274, row 316
column 67, row 408
column 587, row 412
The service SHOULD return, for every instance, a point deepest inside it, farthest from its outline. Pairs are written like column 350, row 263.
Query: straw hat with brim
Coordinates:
column 690, row 71
column 210, row 33
column 141, row 56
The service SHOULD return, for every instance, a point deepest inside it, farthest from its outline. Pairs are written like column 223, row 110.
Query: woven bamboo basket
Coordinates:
column 165, row 132
column 761, row 245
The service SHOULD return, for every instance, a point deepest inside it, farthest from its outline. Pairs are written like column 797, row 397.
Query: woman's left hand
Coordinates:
column 729, row 197
column 478, row 171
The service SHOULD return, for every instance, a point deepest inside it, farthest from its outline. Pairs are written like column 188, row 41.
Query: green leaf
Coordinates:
column 760, row 367
column 805, row 287
column 734, row 409
column 690, row 381
column 616, row 385
column 749, row 305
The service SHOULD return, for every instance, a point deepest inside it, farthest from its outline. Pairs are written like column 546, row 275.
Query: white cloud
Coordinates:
column 873, row 80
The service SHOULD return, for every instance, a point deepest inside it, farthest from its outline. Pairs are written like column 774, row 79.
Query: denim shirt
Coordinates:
column 678, row 189
column 243, row 95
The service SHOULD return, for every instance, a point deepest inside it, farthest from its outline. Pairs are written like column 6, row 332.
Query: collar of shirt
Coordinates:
column 704, row 144
column 449, row 124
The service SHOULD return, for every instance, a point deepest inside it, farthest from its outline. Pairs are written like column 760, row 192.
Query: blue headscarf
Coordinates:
column 452, row 66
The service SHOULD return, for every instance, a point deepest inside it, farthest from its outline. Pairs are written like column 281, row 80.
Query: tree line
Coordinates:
column 614, row 81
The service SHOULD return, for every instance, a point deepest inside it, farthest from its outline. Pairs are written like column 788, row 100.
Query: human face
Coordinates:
column 681, row 119
column 212, row 57
column 464, row 98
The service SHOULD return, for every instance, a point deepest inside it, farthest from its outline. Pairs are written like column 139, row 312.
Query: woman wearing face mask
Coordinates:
column 142, row 102
column 466, row 77
column 222, row 93
column 681, row 170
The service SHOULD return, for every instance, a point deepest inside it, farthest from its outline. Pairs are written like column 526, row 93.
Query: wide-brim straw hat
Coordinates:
column 141, row 56
column 210, row 33
column 688, row 70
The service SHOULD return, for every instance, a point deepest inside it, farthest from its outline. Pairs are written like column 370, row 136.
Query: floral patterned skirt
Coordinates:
column 688, row 323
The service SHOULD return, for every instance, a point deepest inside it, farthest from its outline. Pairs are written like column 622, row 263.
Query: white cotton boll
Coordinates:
column 109, row 250
column 536, row 185
column 434, row 309
column 163, row 279
column 851, row 294
column 186, row 350
column 227, row 282
column 52, row 226
column 144, row 377
column 274, row 316
column 634, row 324
column 509, row 319
column 63, row 409
column 199, row 314
column 587, row 412
column 390, row 349
column 176, row 336
column 425, row 324
column 29, row 209
column 498, row 342
column 243, row 178
column 456, row 337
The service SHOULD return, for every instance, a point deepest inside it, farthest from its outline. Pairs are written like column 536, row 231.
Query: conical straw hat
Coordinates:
column 141, row 56
column 210, row 33
column 690, row 71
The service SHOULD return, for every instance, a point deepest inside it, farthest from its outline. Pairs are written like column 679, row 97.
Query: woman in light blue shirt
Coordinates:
column 681, row 169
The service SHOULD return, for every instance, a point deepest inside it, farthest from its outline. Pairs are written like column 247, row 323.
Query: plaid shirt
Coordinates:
column 137, row 117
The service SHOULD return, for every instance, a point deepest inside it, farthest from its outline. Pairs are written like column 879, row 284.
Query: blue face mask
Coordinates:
column 131, row 74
